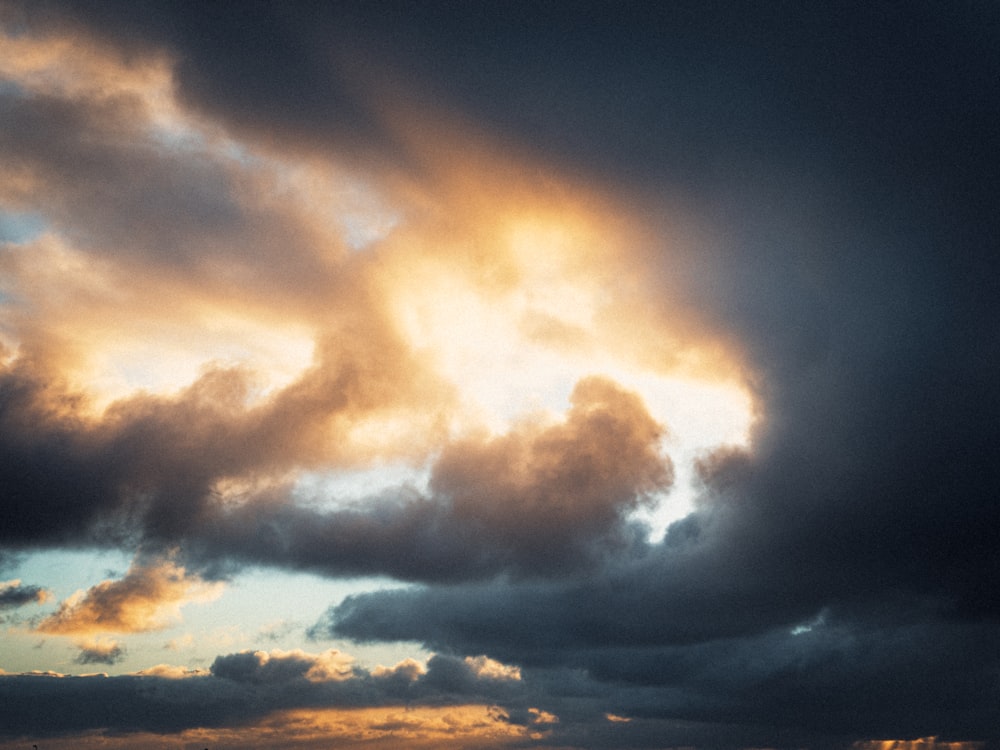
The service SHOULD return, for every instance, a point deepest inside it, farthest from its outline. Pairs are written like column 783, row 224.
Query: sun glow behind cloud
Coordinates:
column 504, row 291
column 515, row 343
column 460, row 305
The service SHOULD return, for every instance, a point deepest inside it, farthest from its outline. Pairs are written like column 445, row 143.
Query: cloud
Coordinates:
column 149, row 597
column 13, row 594
column 542, row 499
column 217, row 443
column 759, row 194
column 241, row 688
column 278, row 666
column 854, row 673
column 556, row 707
column 100, row 651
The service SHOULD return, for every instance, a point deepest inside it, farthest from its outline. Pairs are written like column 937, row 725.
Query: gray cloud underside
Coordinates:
column 823, row 688
column 149, row 478
column 18, row 596
column 241, row 689
column 107, row 656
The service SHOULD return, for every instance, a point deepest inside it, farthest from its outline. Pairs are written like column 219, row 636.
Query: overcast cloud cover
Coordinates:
column 245, row 249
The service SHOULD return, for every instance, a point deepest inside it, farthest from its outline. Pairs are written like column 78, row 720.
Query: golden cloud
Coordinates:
column 149, row 597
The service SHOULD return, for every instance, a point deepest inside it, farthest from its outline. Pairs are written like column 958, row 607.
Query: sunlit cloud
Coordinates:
column 485, row 667
column 149, row 597
column 922, row 743
column 172, row 672
column 425, row 727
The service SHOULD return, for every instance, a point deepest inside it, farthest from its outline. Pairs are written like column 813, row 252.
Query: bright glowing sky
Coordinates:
column 464, row 377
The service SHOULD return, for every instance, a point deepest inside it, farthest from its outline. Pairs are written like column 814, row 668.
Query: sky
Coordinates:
column 499, row 375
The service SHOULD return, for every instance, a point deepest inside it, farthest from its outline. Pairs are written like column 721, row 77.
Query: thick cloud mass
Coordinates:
column 801, row 199
column 538, row 500
column 239, row 688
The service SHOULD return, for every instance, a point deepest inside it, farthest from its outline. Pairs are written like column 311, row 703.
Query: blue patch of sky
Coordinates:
column 361, row 232
column 64, row 572
column 180, row 138
column 18, row 227
column 362, row 215
column 237, row 152
column 177, row 139
column 233, row 622
column 296, row 601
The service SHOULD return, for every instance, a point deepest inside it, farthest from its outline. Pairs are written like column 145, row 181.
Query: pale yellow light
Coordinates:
column 516, row 347
column 168, row 356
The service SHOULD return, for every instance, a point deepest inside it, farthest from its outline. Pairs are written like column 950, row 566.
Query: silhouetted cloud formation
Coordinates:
column 14, row 594
column 239, row 688
column 100, row 652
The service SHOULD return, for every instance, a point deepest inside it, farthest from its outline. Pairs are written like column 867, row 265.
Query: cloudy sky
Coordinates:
column 487, row 375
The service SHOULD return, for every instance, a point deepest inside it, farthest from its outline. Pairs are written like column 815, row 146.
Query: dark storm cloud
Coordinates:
column 864, row 674
column 52, row 489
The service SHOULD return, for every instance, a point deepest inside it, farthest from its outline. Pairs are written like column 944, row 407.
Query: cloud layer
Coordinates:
column 248, row 251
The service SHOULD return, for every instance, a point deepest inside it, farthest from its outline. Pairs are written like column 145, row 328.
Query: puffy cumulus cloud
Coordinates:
column 542, row 499
column 149, row 597
column 149, row 467
column 541, row 491
column 281, row 666
column 448, row 701
column 210, row 227
column 408, row 669
column 13, row 594
column 99, row 651
column 483, row 666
